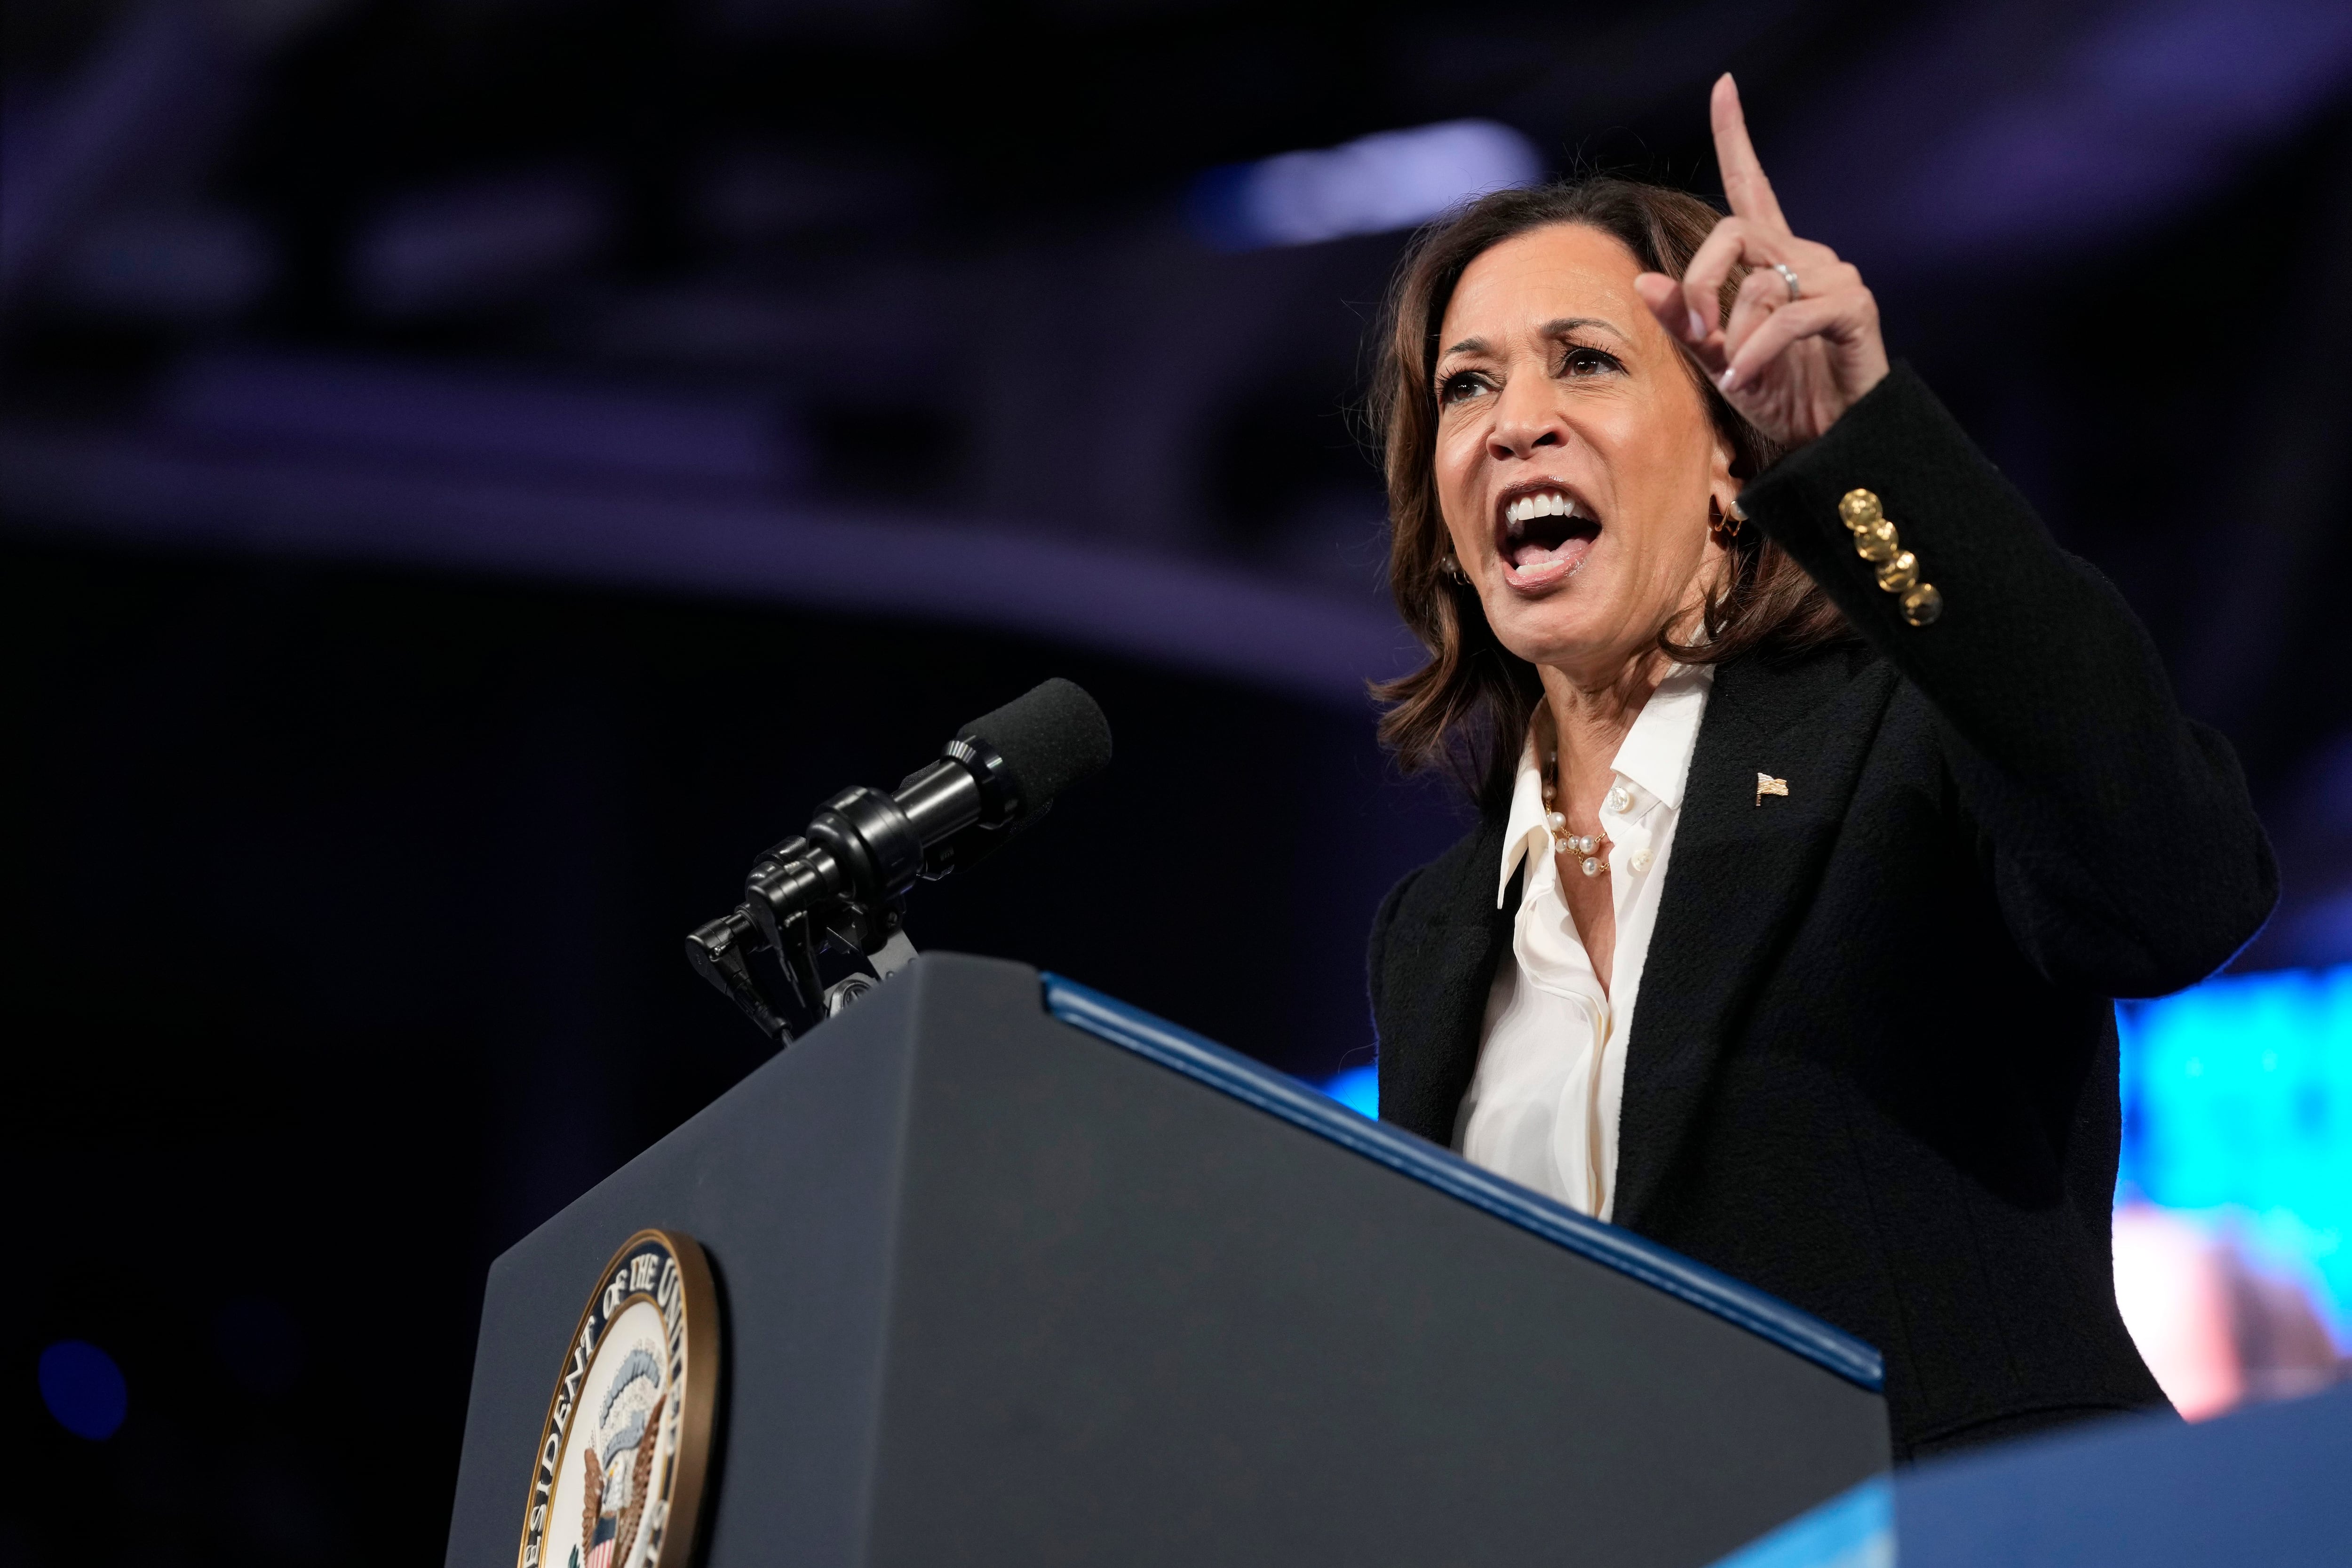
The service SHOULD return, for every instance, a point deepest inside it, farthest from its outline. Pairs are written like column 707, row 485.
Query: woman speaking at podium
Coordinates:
column 1825, row 804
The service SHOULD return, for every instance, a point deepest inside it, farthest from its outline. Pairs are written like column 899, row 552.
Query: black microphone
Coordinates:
column 1001, row 773
column 838, row 884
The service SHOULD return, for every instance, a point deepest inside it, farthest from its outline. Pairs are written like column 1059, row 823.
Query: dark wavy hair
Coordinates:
column 1468, row 710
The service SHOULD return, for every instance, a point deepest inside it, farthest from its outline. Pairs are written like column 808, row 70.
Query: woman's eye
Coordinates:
column 1460, row 385
column 1589, row 361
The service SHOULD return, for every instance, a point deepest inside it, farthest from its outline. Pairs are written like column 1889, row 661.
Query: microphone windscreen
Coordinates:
column 1050, row 738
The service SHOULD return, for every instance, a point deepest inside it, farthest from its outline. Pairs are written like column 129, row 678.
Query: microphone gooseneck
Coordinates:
column 839, row 886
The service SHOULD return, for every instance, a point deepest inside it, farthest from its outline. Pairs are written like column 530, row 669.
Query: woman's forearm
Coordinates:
column 2123, row 848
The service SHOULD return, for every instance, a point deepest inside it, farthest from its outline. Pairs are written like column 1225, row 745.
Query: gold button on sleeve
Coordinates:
column 1897, row 570
column 1900, row 574
column 1878, row 542
column 1858, row 510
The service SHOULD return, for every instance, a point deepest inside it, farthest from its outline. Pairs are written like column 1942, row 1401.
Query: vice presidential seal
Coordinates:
column 617, row 1480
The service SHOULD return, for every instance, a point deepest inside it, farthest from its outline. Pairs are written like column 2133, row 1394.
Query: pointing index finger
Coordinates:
column 1744, row 184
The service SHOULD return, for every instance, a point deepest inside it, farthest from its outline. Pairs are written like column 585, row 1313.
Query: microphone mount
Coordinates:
column 837, row 890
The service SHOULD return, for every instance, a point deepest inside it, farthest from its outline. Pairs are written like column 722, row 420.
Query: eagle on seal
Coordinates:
column 610, row 1536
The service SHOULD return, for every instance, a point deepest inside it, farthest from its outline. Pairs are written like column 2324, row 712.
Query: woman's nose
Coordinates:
column 1525, row 421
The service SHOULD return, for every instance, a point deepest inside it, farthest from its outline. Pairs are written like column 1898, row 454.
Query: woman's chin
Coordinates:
column 1570, row 630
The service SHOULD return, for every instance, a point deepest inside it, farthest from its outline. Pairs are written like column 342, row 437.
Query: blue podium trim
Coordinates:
column 1172, row 1045
column 1854, row 1528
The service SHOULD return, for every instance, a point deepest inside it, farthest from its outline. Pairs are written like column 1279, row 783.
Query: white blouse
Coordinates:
column 1542, row 1106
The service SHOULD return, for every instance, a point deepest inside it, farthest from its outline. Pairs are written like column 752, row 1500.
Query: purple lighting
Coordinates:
column 259, row 401
column 1968, row 157
column 1160, row 607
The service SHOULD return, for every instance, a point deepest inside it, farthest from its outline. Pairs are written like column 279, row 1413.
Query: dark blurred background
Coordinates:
column 474, row 472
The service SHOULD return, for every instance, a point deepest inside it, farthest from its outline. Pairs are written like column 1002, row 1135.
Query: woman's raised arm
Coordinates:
column 2117, row 834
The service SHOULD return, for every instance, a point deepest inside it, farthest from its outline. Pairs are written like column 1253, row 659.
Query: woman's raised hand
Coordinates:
column 1791, row 360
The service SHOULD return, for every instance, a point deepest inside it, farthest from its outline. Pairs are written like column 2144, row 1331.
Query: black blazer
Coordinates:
column 1872, row 1066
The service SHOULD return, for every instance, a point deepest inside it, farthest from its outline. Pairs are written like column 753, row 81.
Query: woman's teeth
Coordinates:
column 1526, row 509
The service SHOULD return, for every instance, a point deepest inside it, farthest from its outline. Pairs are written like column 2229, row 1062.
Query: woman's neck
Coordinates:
column 1588, row 719
column 1589, row 709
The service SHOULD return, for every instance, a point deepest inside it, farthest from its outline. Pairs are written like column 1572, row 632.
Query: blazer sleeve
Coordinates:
column 2123, row 848
column 1376, row 956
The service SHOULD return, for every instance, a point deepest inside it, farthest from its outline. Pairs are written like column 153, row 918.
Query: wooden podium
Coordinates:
column 1014, row 1274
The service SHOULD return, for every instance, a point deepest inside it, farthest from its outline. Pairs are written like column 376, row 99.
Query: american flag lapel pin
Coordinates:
column 1767, row 785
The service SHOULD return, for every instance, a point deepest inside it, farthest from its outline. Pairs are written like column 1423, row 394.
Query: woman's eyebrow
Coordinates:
column 1557, row 328
column 1567, row 324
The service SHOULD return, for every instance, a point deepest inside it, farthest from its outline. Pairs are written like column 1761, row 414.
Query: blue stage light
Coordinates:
column 1357, row 1088
column 2238, row 1105
column 1371, row 186
column 83, row 1389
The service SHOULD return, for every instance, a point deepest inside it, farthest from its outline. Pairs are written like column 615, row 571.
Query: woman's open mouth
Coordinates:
column 1543, row 534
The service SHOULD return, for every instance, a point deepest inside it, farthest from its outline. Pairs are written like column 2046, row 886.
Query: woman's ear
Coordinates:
column 1725, row 482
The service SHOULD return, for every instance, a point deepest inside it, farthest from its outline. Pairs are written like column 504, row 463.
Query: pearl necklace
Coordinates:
column 1590, row 849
